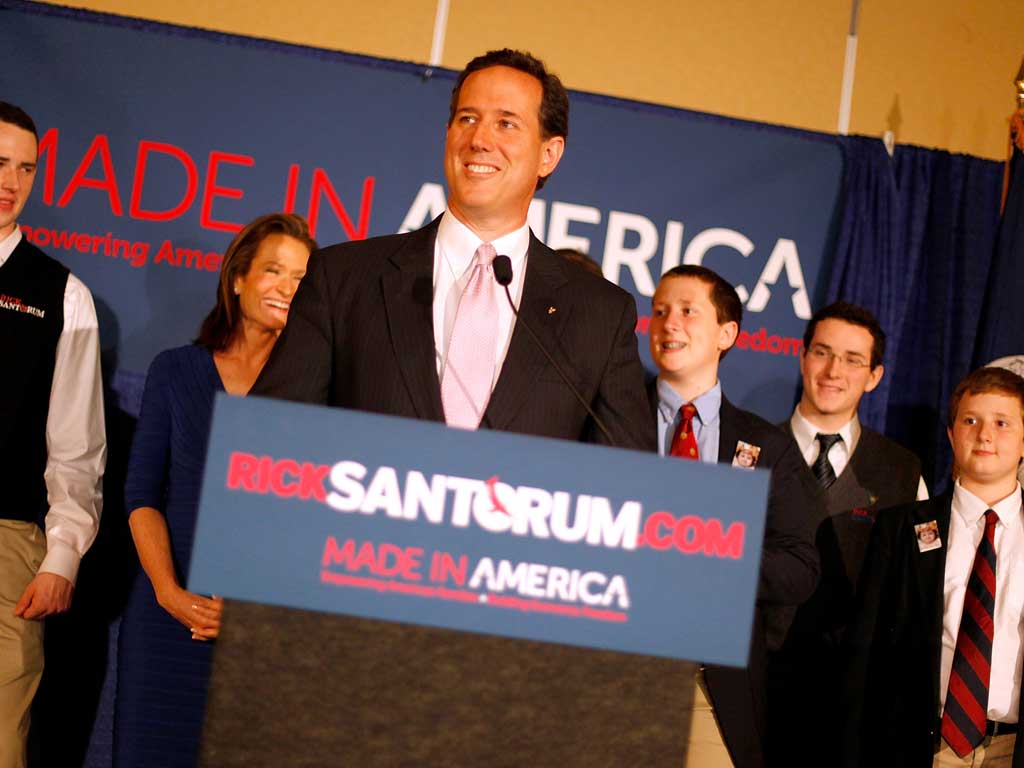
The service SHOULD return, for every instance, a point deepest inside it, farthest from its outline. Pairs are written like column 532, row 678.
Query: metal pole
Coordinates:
column 849, row 68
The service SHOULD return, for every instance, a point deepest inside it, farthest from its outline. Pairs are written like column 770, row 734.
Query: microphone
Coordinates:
column 502, row 266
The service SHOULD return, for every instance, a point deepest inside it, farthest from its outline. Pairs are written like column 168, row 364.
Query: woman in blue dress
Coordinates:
column 164, row 650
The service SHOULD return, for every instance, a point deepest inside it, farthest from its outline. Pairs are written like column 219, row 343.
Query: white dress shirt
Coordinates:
column 76, row 442
column 966, row 527
column 805, row 433
column 454, row 250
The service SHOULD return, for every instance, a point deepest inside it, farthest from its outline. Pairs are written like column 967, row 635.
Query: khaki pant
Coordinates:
column 993, row 752
column 22, row 548
column 706, row 748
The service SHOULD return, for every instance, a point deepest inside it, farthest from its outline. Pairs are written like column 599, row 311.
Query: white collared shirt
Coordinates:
column 76, row 440
column 966, row 527
column 454, row 250
column 805, row 433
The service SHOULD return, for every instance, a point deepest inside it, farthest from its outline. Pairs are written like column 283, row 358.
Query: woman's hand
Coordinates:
column 200, row 614
column 153, row 543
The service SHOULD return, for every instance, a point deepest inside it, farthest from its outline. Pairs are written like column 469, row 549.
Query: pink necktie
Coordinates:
column 469, row 369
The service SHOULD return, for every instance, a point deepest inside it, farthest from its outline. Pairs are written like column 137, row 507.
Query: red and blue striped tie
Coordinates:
column 966, row 710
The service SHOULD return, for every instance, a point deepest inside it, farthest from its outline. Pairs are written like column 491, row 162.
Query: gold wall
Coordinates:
column 937, row 71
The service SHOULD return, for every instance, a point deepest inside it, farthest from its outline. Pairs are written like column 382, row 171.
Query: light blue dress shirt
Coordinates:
column 706, row 424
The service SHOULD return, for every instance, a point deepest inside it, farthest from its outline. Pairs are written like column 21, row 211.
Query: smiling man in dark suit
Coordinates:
column 695, row 320
column 858, row 471
column 415, row 325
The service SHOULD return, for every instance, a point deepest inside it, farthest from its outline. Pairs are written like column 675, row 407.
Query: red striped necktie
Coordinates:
column 966, row 710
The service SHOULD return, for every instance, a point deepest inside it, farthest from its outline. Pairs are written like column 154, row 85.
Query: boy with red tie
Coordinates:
column 695, row 320
column 935, row 645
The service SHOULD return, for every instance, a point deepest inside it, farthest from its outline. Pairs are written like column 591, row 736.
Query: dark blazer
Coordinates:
column 360, row 335
column 880, row 474
column 789, row 573
column 894, row 643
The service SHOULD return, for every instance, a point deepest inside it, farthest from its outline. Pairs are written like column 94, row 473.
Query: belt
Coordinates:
column 992, row 728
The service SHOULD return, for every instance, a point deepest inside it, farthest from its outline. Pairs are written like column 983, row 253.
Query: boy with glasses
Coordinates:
column 858, row 471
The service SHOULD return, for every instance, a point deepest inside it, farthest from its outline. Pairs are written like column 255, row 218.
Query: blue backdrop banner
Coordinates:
column 158, row 143
column 410, row 521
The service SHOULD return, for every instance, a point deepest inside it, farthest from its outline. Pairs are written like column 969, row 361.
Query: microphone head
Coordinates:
column 502, row 269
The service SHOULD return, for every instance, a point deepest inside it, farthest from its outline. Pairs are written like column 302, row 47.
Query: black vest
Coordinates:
column 31, row 320
column 880, row 474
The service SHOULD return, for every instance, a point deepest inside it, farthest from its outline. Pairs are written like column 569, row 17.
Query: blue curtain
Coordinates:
column 1002, row 326
column 915, row 245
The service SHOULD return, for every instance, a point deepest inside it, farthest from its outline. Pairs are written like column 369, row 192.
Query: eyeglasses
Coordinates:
column 851, row 362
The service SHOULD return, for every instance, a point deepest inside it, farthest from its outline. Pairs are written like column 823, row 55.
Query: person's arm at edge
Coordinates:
column 621, row 401
column 76, row 448
column 300, row 365
column 789, row 564
column 859, row 637
column 153, row 543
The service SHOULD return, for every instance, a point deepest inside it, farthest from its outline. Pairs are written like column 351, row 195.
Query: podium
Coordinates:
column 404, row 594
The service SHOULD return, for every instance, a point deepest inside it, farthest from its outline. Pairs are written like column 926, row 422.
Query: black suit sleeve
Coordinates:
column 621, row 400
column 860, row 634
column 789, row 565
column 301, row 363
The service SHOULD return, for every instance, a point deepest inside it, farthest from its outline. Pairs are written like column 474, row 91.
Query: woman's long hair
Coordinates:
column 221, row 325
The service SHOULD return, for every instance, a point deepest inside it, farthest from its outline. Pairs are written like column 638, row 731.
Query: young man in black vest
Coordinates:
column 857, row 471
column 52, row 437
column 695, row 319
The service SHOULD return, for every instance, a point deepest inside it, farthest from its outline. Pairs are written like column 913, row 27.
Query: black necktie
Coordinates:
column 821, row 468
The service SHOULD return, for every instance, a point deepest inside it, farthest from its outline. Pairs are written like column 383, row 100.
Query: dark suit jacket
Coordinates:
column 789, row 573
column 894, row 644
column 880, row 474
column 360, row 335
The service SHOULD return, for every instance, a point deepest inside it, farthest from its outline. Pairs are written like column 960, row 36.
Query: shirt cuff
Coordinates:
column 62, row 560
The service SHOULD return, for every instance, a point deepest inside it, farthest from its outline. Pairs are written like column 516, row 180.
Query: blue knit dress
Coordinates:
column 162, row 672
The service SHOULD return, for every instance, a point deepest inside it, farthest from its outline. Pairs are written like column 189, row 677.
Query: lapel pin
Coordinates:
column 551, row 310
column 927, row 536
column 746, row 455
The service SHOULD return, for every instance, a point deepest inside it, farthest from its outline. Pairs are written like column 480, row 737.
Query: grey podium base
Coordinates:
column 299, row 688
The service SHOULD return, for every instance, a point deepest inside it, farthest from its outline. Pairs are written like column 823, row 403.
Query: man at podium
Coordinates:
column 417, row 325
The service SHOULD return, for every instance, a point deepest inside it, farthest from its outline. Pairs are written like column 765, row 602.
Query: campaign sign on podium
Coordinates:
column 406, row 521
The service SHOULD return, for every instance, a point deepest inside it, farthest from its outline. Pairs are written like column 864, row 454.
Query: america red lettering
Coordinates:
column 385, row 560
column 691, row 534
column 100, row 147
column 147, row 152
column 213, row 190
column 146, row 148
column 286, row 478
